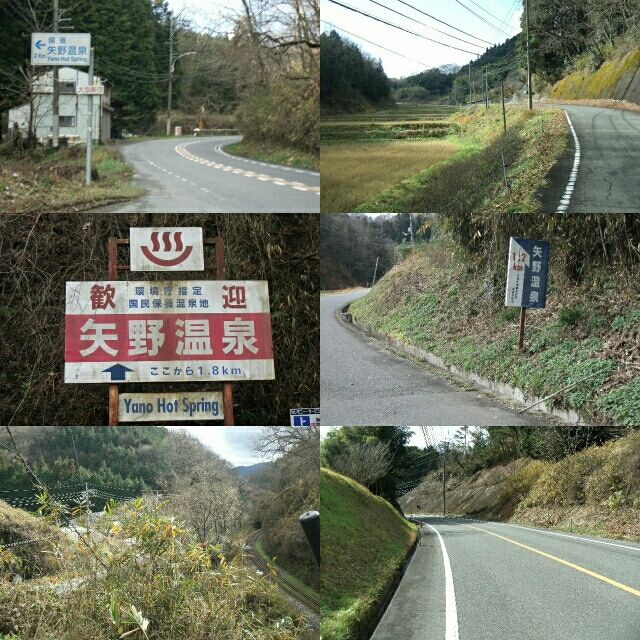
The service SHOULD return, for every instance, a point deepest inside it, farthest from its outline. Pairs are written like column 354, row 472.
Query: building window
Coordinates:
column 67, row 121
column 67, row 87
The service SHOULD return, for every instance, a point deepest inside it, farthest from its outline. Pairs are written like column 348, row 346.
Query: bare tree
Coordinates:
column 365, row 462
column 302, row 442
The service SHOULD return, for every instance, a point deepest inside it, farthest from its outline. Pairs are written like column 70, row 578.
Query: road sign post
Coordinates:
column 305, row 417
column 87, row 179
column 527, row 271
column 169, row 331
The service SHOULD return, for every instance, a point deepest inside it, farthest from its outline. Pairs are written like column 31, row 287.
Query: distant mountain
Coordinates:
column 250, row 470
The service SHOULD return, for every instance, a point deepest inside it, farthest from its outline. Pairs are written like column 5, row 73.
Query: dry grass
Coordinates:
column 353, row 173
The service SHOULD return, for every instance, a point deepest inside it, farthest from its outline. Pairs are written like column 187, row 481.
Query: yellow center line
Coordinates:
column 593, row 574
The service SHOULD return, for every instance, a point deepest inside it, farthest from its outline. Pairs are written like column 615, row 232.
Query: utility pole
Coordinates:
column 529, row 93
column 444, row 476
column 87, row 169
column 504, row 113
column 86, row 489
column 486, row 88
column 169, row 94
column 469, row 82
column 55, row 96
column 411, row 227
column 465, row 429
column 375, row 271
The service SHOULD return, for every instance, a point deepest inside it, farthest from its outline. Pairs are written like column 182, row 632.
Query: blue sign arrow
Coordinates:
column 117, row 371
column 39, row 44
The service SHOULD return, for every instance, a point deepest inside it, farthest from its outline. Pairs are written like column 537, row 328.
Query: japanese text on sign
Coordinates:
column 527, row 273
column 61, row 49
column 168, row 331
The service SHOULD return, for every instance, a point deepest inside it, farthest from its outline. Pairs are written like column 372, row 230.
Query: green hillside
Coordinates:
column 364, row 540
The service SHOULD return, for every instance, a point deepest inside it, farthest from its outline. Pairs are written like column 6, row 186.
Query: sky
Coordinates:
column 234, row 444
column 422, row 51
column 439, row 433
column 208, row 14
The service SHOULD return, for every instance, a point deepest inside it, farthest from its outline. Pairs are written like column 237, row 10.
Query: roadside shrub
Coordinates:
column 570, row 316
column 518, row 485
column 564, row 483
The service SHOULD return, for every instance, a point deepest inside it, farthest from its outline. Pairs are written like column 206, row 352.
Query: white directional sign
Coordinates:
column 166, row 249
column 156, row 407
column 91, row 90
column 168, row 331
column 61, row 49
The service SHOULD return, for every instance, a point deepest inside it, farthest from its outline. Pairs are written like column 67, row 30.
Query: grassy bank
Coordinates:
column 457, row 160
column 145, row 576
column 275, row 154
column 438, row 301
column 45, row 180
column 594, row 492
column 364, row 541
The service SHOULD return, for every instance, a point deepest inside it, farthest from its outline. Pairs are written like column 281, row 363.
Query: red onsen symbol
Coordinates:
column 168, row 246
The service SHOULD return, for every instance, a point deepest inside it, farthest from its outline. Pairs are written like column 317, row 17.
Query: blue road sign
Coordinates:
column 527, row 272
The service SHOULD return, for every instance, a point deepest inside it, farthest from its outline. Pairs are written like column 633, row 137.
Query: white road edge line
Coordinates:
column 573, row 176
column 451, row 612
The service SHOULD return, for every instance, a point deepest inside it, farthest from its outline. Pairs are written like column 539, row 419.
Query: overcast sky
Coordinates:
column 207, row 14
column 420, row 50
column 439, row 433
column 234, row 444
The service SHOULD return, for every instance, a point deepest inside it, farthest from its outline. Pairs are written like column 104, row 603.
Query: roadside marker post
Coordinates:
column 87, row 170
column 527, row 273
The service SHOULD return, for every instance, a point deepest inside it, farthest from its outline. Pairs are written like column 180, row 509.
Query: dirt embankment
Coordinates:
column 595, row 491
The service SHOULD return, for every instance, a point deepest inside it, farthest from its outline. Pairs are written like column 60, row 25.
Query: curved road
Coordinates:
column 600, row 171
column 364, row 384
column 477, row 580
column 196, row 175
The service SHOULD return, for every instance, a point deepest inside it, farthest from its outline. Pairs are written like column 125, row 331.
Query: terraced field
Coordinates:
column 366, row 153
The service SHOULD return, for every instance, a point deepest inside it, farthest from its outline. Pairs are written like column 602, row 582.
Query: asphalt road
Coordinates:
column 600, row 172
column 364, row 384
column 501, row 582
column 196, row 175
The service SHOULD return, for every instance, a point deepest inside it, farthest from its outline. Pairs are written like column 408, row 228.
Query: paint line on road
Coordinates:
column 451, row 612
column 181, row 150
column 577, row 567
column 220, row 149
column 568, row 535
column 573, row 176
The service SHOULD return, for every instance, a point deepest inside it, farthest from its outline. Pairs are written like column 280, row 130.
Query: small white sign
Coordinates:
column 163, row 407
column 166, row 249
column 61, row 49
column 91, row 90
column 305, row 417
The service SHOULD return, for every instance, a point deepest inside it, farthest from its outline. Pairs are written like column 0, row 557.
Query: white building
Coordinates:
column 73, row 108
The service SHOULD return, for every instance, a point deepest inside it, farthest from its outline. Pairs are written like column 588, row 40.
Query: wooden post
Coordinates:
column 227, row 387
column 112, row 274
column 523, row 311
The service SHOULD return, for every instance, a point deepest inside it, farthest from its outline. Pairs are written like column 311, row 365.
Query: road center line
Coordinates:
column 451, row 612
column 573, row 176
column 588, row 572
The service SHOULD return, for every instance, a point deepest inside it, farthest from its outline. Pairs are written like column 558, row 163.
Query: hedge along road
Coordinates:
column 599, row 172
column 477, row 580
column 364, row 384
column 196, row 175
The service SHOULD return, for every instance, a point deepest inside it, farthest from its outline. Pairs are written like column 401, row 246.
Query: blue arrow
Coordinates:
column 117, row 371
column 39, row 44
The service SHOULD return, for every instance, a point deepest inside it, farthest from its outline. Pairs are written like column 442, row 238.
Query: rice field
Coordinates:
column 354, row 172
column 367, row 153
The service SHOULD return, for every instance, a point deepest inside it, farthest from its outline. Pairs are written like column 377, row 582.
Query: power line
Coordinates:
column 477, row 15
column 395, row 26
column 424, row 13
column 376, row 44
column 424, row 24
column 489, row 13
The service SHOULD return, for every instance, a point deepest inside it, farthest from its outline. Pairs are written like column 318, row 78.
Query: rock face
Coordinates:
column 617, row 79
